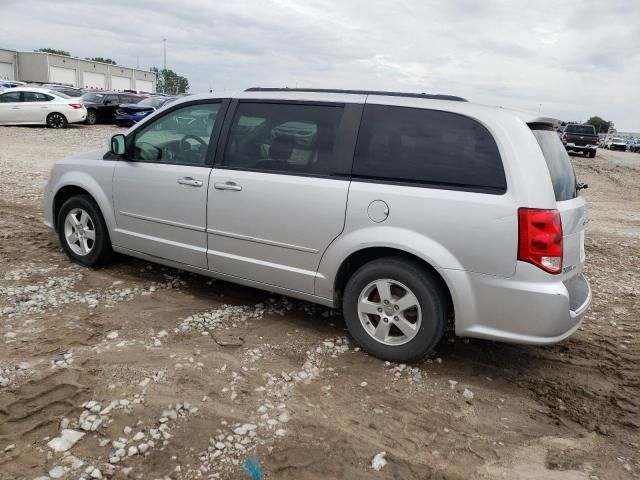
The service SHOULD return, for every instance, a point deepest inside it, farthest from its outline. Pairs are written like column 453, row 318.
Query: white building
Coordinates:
column 51, row 68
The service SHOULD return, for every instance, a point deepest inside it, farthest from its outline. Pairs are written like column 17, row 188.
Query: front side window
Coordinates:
column 180, row 137
column 427, row 148
column 283, row 138
column 10, row 97
column 111, row 100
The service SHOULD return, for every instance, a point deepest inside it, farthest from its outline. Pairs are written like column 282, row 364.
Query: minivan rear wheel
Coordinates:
column 395, row 309
column 83, row 232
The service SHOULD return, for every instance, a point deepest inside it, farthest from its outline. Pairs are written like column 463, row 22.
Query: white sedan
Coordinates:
column 40, row 106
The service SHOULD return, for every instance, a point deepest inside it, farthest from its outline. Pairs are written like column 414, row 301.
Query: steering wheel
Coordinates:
column 184, row 143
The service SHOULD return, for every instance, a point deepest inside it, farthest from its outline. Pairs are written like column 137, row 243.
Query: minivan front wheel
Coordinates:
column 395, row 309
column 83, row 233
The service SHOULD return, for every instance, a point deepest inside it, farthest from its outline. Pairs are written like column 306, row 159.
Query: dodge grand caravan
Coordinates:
column 414, row 213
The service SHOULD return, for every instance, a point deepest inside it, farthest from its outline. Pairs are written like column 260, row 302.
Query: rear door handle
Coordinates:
column 189, row 181
column 227, row 186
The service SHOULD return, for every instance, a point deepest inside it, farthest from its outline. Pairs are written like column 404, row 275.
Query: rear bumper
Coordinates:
column 580, row 148
column 77, row 115
column 529, row 308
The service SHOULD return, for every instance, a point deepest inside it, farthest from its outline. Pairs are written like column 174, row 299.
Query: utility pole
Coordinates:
column 164, row 53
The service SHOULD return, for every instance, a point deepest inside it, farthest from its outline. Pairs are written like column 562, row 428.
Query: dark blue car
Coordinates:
column 130, row 113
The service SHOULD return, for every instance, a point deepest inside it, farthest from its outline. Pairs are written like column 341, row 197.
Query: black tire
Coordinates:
column 592, row 154
column 92, row 117
column 56, row 120
column 100, row 248
column 431, row 299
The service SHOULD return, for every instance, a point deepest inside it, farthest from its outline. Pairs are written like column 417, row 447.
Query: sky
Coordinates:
column 568, row 59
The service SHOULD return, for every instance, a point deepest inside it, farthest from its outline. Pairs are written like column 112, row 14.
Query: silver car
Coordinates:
column 414, row 213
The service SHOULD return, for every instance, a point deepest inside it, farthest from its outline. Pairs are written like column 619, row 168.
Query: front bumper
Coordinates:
column 529, row 308
column 128, row 120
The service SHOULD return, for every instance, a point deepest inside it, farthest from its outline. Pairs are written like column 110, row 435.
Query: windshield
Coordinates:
column 581, row 129
column 59, row 94
column 617, row 139
column 154, row 102
column 563, row 177
column 93, row 97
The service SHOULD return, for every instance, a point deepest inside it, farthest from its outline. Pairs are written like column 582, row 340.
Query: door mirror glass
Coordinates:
column 118, row 144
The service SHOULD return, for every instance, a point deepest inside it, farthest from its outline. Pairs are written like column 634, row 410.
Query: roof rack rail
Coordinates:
column 359, row 92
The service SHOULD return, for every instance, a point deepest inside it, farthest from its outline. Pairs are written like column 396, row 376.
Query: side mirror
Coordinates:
column 118, row 144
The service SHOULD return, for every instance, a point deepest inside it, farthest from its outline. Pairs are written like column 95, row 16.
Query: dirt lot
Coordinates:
column 171, row 375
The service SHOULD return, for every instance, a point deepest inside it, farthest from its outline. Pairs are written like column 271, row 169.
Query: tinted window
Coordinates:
column 129, row 99
column 427, row 147
column 10, row 97
column 93, row 97
column 182, row 136
column 36, row 97
column 112, row 100
column 562, row 176
column 583, row 129
column 284, row 138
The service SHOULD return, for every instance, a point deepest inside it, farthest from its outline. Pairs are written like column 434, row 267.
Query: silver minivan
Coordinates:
column 414, row 213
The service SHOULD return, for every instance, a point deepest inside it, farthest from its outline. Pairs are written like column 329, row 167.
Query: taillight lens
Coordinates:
column 564, row 138
column 597, row 140
column 540, row 238
column 75, row 105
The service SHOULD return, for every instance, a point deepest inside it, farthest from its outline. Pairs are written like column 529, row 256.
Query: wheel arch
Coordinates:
column 71, row 189
column 365, row 255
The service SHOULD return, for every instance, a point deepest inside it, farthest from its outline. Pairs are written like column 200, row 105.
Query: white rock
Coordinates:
column 378, row 461
column 468, row 394
column 10, row 447
column 281, row 432
column 144, row 382
column 58, row 471
column 66, row 440
column 96, row 473
column 112, row 335
column 114, row 459
column 453, row 384
column 138, row 436
column 127, row 430
column 143, row 447
column 220, row 445
column 364, row 384
column 133, row 450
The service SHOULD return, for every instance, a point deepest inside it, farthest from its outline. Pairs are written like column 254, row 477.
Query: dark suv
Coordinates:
column 101, row 106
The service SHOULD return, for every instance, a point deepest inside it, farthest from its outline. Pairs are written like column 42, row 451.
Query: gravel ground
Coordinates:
column 141, row 371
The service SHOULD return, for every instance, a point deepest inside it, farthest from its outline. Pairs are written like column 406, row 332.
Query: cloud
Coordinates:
column 576, row 59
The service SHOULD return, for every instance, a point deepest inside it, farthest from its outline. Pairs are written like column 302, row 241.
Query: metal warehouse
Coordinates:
column 51, row 68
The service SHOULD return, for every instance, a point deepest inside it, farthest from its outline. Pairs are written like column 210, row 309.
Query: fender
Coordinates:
column 98, row 184
column 421, row 246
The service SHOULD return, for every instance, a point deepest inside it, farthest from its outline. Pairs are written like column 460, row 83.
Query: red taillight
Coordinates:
column 540, row 238
column 564, row 137
column 75, row 105
column 597, row 140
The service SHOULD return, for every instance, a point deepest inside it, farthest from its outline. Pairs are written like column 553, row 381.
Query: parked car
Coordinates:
column 128, row 114
column 414, row 213
column 38, row 106
column 616, row 143
column 7, row 84
column 580, row 138
column 101, row 106
column 635, row 146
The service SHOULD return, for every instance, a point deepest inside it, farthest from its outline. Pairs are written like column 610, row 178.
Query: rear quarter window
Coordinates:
column 561, row 171
column 427, row 148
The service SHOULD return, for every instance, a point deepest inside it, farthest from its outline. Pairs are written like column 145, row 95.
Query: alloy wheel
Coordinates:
column 80, row 232
column 389, row 312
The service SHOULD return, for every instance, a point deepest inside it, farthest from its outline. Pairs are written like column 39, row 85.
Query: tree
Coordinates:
column 54, row 51
column 101, row 59
column 601, row 125
column 170, row 82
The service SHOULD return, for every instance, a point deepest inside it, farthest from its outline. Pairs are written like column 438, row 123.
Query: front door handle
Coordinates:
column 227, row 186
column 189, row 181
